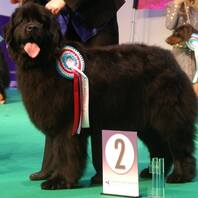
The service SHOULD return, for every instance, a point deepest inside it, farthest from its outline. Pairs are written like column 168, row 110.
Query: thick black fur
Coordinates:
column 132, row 87
column 4, row 77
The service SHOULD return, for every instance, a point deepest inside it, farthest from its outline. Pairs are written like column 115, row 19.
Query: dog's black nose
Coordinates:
column 31, row 27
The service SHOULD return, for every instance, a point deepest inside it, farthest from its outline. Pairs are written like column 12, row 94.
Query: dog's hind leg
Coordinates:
column 176, row 126
column 177, row 146
column 180, row 132
column 172, row 113
column 69, row 159
column 182, row 148
column 157, row 147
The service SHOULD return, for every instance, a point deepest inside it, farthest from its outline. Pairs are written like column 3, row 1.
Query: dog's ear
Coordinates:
column 8, row 36
column 9, row 28
column 7, row 33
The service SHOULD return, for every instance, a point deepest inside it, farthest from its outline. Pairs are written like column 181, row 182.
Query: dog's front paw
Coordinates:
column 41, row 175
column 56, row 183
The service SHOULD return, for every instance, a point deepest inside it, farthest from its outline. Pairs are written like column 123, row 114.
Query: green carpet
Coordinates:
column 21, row 147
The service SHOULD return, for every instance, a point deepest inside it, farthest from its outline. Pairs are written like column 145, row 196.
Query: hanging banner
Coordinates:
column 151, row 4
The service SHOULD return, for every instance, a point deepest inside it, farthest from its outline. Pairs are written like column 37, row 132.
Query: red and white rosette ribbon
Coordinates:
column 71, row 66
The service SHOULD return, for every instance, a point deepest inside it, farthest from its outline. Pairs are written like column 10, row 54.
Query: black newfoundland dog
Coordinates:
column 132, row 87
column 4, row 78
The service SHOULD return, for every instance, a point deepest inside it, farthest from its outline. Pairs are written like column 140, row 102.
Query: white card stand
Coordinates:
column 120, row 163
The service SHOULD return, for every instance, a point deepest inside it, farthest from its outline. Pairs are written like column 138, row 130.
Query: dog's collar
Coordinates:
column 70, row 59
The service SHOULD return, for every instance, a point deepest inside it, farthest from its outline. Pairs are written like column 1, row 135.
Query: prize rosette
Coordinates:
column 192, row 44
column 71, row 65
column 69, row 59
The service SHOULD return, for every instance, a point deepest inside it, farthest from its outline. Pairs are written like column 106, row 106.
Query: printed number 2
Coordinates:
column 118, row 164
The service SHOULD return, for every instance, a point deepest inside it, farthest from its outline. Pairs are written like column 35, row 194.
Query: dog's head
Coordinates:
column 33, row 33
column 181, row 35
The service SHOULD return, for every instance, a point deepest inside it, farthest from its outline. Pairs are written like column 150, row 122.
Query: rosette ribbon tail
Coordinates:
column 71, row 65
column 76, row 95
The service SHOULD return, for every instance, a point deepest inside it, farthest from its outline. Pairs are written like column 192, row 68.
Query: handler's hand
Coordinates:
column 55, row 6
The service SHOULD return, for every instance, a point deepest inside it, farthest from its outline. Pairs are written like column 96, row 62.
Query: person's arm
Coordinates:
column 172, row 14
column 56, row 5
column 74, row 4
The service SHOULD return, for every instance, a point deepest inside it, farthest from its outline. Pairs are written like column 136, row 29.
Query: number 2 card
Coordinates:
column 120, row 163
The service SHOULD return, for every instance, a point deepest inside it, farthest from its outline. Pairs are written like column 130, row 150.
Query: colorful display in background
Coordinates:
column 152, row 4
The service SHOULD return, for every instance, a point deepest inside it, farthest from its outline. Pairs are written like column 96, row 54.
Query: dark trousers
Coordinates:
column 107, row 36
